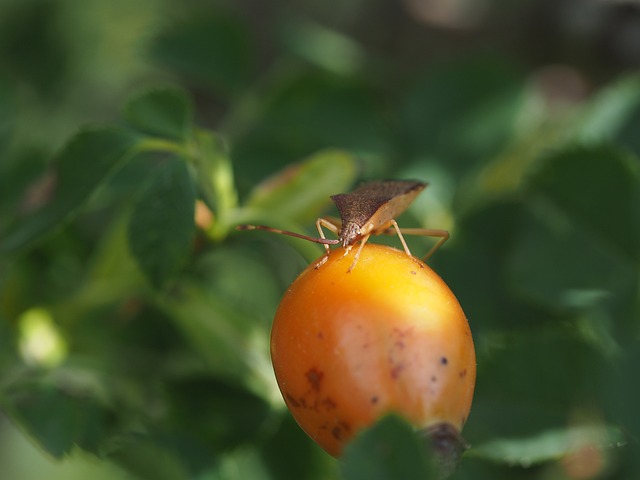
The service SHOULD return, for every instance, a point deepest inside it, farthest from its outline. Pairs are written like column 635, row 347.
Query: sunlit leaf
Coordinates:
column 324, row 47
column 164, row 112
column 607, row 113
column 162, row 225
column 548, row 445
column 79, row 169
column 300, row 192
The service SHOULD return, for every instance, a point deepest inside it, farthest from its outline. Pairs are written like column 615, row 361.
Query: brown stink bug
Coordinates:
column 370, row 209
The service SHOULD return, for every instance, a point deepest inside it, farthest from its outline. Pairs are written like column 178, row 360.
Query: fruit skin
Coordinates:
column 387, row 336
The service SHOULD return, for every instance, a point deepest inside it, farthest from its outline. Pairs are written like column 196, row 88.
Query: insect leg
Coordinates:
column 329, row 225
column 357, row 255
column 399, row 232
column 322, row 240
column 428, row 232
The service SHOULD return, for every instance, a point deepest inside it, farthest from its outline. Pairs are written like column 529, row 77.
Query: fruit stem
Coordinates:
column 447, row 446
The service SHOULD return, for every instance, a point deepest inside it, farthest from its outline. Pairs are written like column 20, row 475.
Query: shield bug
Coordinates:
column 368, row 210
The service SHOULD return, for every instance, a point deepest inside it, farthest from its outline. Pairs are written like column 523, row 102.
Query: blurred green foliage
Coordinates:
column 134, row 137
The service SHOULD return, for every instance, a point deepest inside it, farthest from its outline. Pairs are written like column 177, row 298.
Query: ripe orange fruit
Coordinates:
column 389, row 336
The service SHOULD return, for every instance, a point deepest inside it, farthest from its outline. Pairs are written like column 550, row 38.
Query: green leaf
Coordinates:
column 8, row 342
column 60, row 419
column 463, row 111
column 204, row 418
column 327, row 48
column 212, row 49
column 214, row 174
column 607, row 113
column 165, row 112
column 145, row 458
column 79, row 169
column 227, row 339
column 597, row 187
column 221, row 413
column 548, row 445
column 300, row 192
column 162, row 225
column 8, row 110
column 591, row 273
column 308, row 112
column 289, row 453
column 390, row 450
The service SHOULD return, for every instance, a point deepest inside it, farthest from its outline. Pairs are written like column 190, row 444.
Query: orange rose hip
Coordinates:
column 387, row 336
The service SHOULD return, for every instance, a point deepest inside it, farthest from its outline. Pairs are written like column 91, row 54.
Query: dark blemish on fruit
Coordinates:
column 463, row 373
column 413, row 272
column 444, row 361
column 374, row 399
column 434, row 379
column 339, row 430
column 292, row 401
column 329, row 404
column 314, row 376
column 402, row 333
column 320, row 335
column 344, row 425
column 397, row 370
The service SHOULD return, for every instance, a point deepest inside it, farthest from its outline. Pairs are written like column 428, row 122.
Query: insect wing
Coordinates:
column 361, row 205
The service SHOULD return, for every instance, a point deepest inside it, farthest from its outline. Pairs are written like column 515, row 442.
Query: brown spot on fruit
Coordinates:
column 329, row 404
column 444, row 361
column 397, row 370
column 292, row 401
column 374, row 399
column 314, row 376
column 463, row 373
column 341, row 430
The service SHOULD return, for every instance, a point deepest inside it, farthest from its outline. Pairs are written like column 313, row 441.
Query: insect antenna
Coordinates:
column 324, row 241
